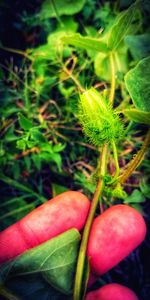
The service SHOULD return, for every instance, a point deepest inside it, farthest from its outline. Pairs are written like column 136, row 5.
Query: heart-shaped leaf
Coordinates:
column 53, row 260
column 135, row 197
column 102, row 66
column 138, row 84
column 86, row 42
column 138, row 116
column 52, row 9
column 121, row 26
column 33, row 287
column 139, row 45
column 24, row 122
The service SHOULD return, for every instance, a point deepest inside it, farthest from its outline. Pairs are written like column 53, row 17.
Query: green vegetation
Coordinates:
column 75, row 115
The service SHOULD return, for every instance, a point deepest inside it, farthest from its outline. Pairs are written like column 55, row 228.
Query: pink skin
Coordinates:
column 114, row 234
column 112, row 291
column 65, row 211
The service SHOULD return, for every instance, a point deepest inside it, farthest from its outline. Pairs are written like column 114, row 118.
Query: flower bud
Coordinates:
column 100, row 123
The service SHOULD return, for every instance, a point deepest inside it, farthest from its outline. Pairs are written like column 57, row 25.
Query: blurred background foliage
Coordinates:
column 42, row 148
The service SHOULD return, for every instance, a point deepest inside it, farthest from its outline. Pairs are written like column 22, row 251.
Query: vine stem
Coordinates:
column 113, row 78
column 136, row 160
column 116, row 162
column 100, row 186
column 20, row 52
column 56, row 12
column 82, row 252
column 76, row 81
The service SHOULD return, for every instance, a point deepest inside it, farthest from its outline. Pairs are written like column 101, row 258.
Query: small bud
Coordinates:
column 100, row 123
column 118, row 192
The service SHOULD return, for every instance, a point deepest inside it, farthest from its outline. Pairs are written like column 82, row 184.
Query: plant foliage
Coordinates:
column 57, row 76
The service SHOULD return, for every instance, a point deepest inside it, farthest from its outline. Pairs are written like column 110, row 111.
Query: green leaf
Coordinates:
column 10, row 136
column 54, row 46
column 27, row 162
column 56, row 8
column 56, row 157
column 47, row 52
column 59, row 147
column 41, row 53
column 54, row 260
column 84, row 182
column 102, row 64
column 36, row 160
column 135, row 197
column 50, row 153
column 47, row 147
column 2, row 149
column 139, row 208
column 34, row 288
column 31, row 144
column 21, row 144
column 58, row 189
column 37, row 136
column 138, row 84
column 66, row 92
column 139, row 45
column 24, row 122
column 68, row 24
column 138, row 116
column 121, row 26
column 145, row 188
column 85, row 42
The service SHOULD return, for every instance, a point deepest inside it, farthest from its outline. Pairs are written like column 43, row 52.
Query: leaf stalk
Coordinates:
column 82, row 253
column 136, row 160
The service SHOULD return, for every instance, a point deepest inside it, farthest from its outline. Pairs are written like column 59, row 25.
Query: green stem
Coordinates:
column 136, row 160
column 76, row 81
column 82, row 253
column 56, row 12
column 113, row 79
column 116, row 161
column 23, row 53
column 26, row 94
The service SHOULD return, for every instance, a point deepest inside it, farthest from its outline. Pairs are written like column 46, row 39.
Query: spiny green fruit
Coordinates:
column 100, row 123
